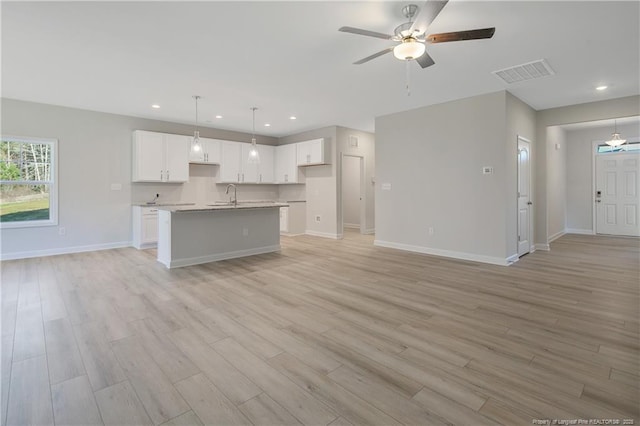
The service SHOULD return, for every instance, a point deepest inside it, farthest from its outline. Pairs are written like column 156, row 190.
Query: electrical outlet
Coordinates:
column 62, row 230
column 245, row 231
column 431, row 230
column 317, row 218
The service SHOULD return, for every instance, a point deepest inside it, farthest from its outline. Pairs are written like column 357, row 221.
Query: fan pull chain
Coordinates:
column 408, row 75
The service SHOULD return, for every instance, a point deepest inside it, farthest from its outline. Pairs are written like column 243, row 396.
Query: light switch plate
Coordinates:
column 386, row 187
column 486, row 170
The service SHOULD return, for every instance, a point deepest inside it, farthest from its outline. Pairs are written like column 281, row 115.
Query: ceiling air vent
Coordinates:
column 528, row 71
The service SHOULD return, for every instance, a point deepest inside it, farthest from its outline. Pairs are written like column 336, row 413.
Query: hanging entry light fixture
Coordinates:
column 254, row 155
column 195, row 144
column 615, row 140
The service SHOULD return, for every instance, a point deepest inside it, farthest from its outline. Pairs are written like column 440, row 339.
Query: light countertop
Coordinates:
column 162, row 204
column 222, row 206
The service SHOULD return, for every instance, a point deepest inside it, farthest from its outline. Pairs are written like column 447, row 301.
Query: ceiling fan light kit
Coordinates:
column 409, row 49
column 412, row 38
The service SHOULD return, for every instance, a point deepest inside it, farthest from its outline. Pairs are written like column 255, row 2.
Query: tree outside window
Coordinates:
column 27, row 182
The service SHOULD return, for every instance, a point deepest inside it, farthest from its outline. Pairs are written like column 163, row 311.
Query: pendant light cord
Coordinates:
column 253, row 134
column 196, row 98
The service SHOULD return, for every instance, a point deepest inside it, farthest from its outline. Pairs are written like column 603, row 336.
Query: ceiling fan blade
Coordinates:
column 368, row 33
column 425, row 60
column 427, row 14
column 461, row 35
column 375, row 55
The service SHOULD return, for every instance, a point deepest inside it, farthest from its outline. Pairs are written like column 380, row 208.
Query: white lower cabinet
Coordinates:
column 145, row 227
column 293, row 218
column 284, row 219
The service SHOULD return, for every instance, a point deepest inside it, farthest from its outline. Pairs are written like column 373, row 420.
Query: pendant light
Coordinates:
column 195, row 144
column 254, row 155
column 615, row 140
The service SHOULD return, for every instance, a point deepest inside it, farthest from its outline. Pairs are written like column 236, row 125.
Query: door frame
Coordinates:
column 594, row 181
column 363, row 210
column 531, row 244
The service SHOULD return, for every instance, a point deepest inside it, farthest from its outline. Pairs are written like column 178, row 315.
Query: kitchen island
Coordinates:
column 195, row 234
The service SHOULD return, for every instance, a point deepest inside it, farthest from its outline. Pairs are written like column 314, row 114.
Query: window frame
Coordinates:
column 622, row 148
column 53, row 184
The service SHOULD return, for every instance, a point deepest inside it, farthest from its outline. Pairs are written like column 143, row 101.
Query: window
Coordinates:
column 629, row 146
column 28, row 187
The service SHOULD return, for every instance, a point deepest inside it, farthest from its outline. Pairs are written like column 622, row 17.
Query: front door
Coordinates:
column 617, row 198
column 524, row 196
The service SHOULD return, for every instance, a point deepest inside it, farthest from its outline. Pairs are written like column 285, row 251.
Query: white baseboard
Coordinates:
column 323, row 234
column 177, row 263
column 580, row 231
column 542, row 246
column 370, row 231
column 445, row 253
column 351, row 225
column 287, row 234
column 513, row 258
column 63, row 250
column 555, row 236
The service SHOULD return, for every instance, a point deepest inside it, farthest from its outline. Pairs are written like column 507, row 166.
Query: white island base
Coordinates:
column 191, row 236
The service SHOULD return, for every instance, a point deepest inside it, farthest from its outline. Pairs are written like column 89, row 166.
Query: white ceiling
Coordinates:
column 288, row 58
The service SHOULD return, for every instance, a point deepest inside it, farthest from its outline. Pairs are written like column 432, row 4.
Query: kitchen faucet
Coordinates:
column 235, row 194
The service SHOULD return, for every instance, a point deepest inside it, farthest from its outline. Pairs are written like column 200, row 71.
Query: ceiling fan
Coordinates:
column 412, row 35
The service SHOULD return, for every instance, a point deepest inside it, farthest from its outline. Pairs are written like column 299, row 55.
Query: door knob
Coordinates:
column 529, row 203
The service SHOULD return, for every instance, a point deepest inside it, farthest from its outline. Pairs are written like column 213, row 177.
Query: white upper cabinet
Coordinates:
column 249, row 172
column 286, row 165
column 266, row 168
column 209, row 154
column 159, row 157
column 177, row 158
column 313, row 152
column 230, row 166
column 235, row 166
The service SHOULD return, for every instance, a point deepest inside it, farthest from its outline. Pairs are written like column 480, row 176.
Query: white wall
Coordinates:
column 556, row 182
column 580, row 173
column 593, row 111
column 433, row 158
column 351, row 190
column 94, row 151
column 521, row 120
column 320, row 185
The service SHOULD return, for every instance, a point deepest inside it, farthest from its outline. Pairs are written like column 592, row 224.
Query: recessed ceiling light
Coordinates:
column 156, row 106
column 293, row 117
column 603, row 87
column 218, row 116
column 267, row 125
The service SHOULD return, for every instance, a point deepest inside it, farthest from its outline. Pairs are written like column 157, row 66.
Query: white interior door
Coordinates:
column 617, row 198
column 353, row 199
column 524, row 196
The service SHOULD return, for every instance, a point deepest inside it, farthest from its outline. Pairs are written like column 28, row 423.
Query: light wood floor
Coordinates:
column 325, row 332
